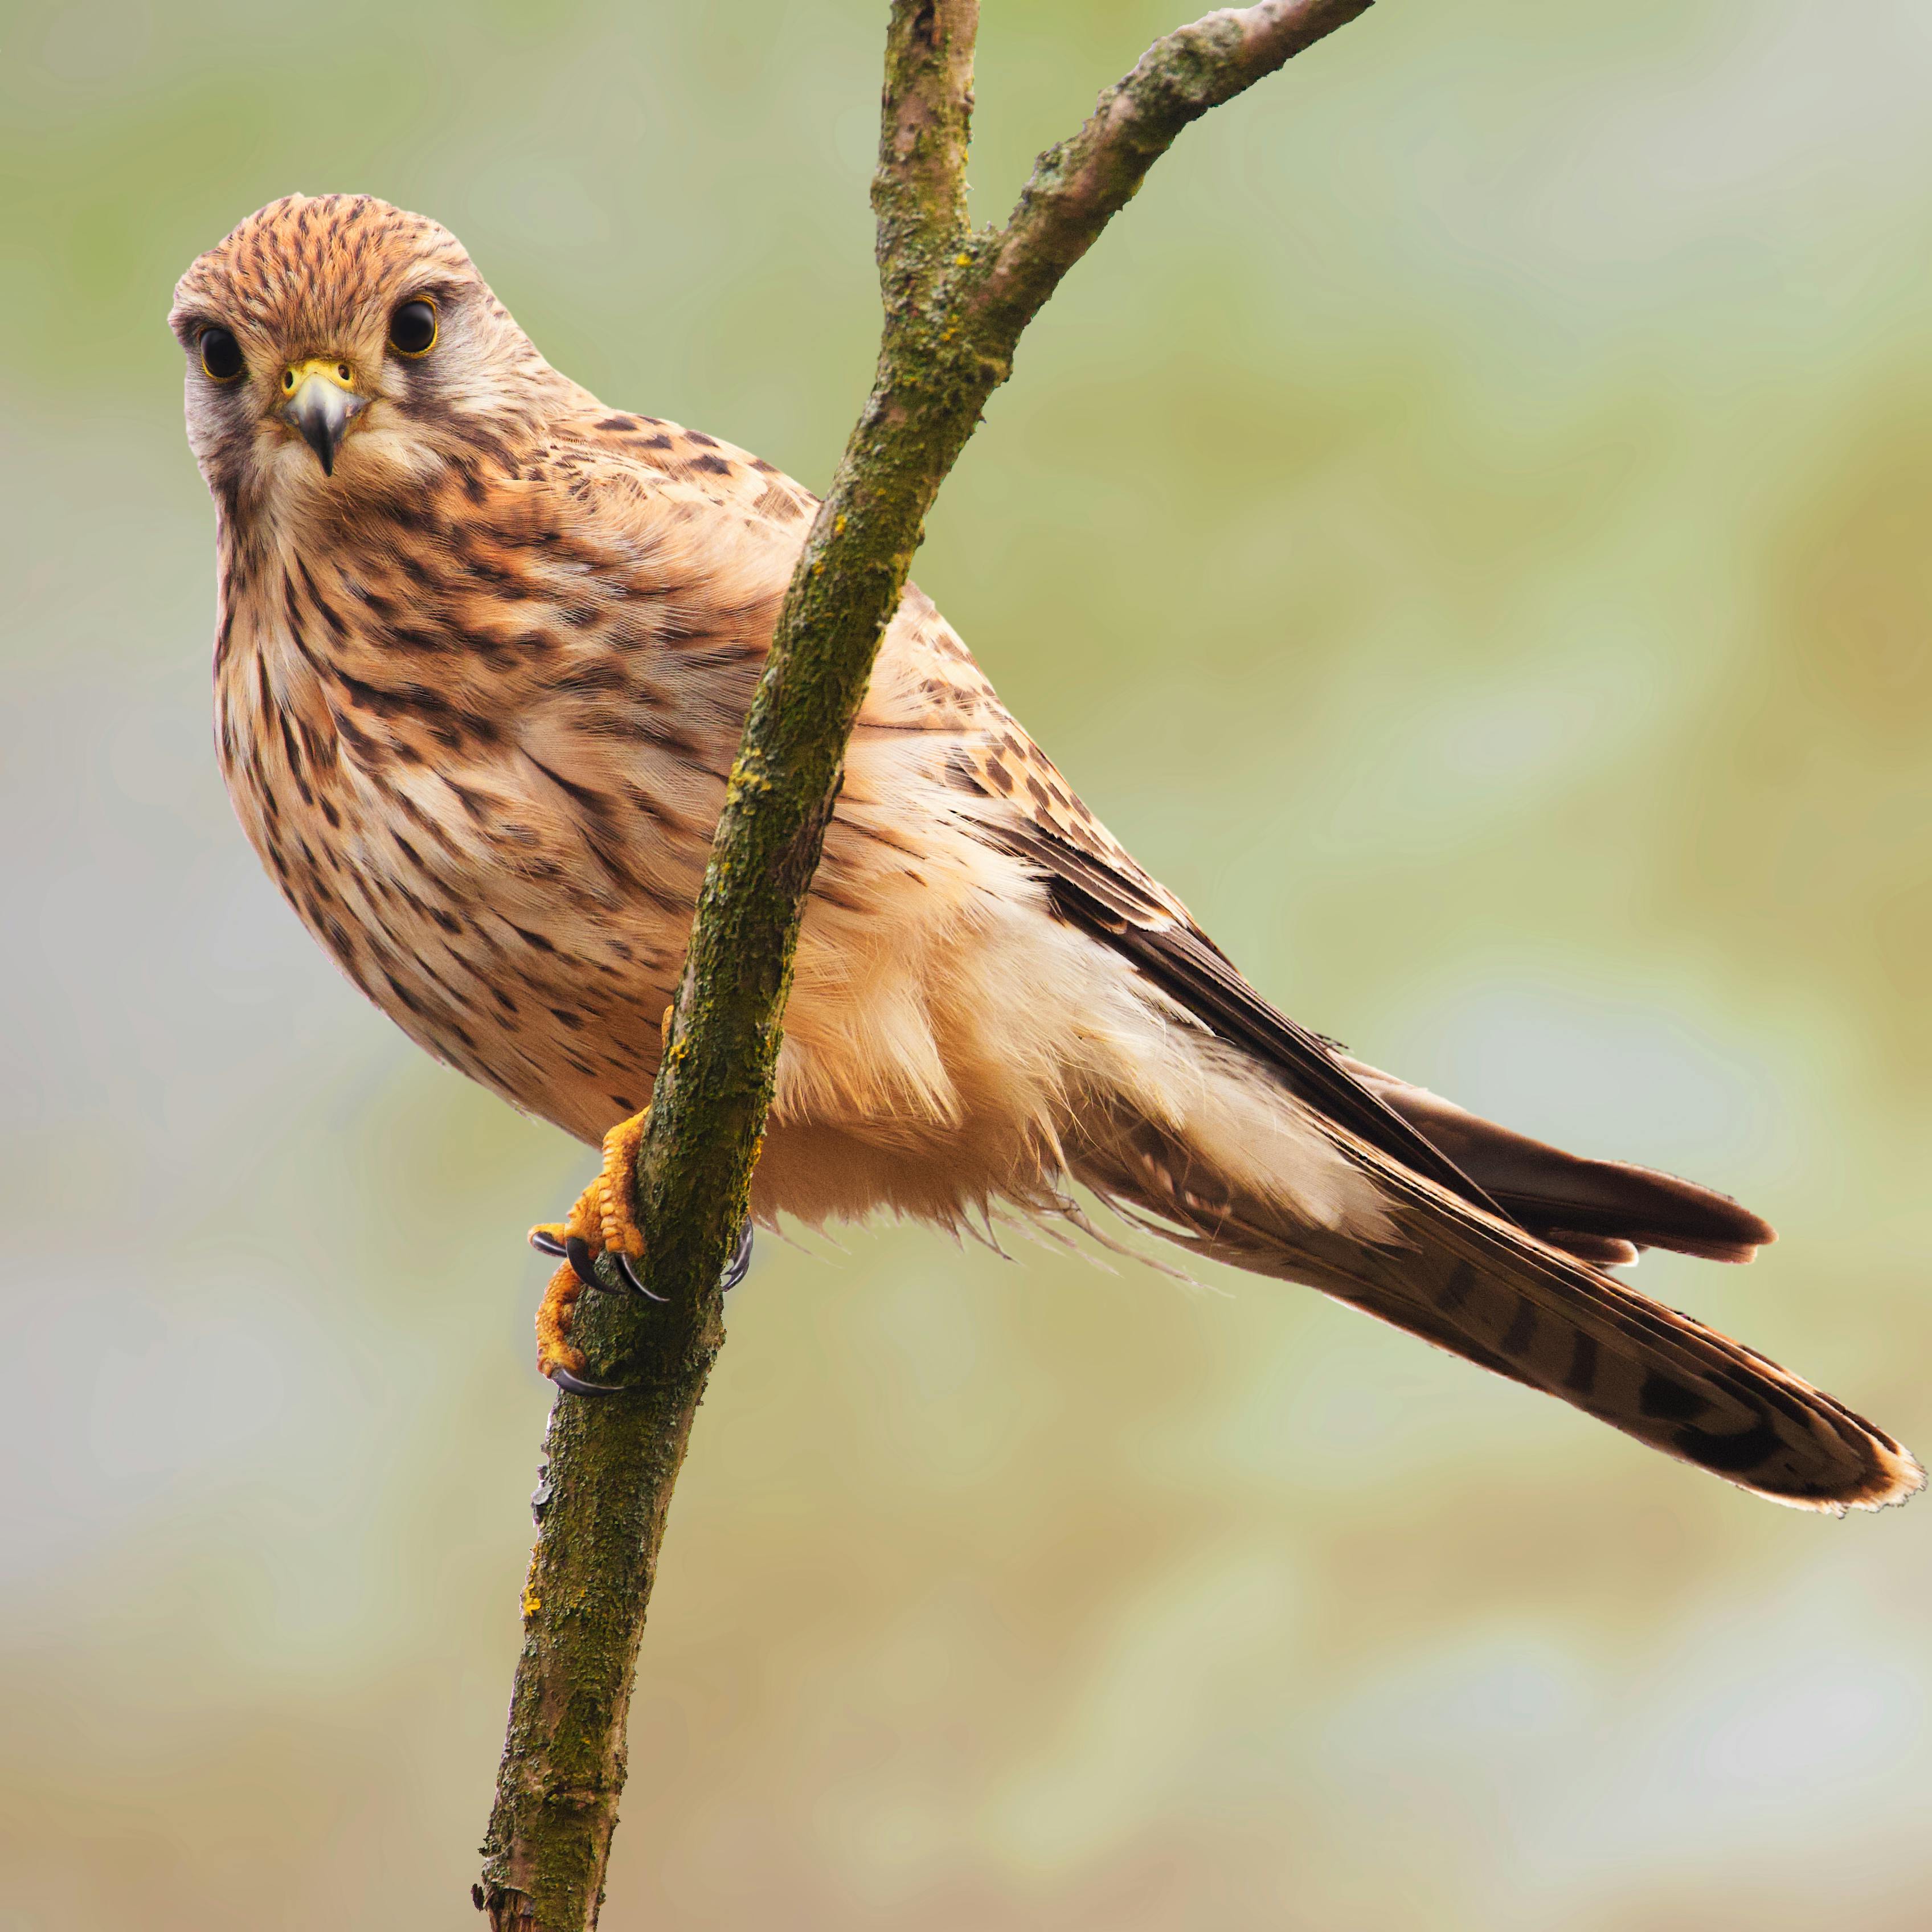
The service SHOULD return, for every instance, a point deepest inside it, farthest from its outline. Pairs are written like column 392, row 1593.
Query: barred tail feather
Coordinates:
column 1473, row 1284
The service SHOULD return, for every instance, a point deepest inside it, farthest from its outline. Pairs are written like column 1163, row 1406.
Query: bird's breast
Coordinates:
column 484, row 756
column 502, row 855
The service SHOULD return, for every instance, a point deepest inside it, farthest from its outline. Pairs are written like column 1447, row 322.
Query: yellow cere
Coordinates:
column 327, row 367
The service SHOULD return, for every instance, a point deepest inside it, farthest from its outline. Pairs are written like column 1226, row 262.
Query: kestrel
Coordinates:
column 483, row 651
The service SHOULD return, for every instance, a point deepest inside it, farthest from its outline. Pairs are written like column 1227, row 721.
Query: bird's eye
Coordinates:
column 220, row 354
column 412, row 328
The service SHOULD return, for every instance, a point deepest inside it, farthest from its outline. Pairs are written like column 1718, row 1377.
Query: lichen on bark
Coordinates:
column 955, row 302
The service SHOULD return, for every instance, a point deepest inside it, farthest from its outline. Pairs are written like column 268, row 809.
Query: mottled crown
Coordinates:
column 309, row 270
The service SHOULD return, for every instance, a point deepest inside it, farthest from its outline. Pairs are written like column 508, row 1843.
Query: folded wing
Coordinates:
column 1497, row 1243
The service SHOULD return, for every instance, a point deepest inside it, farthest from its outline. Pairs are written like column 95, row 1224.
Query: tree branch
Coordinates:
column 955, row 303
column 925, row 115
column 1078, row 186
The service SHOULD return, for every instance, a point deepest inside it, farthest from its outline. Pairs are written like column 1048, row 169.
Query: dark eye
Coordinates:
column 220, row 354
column 412, row 328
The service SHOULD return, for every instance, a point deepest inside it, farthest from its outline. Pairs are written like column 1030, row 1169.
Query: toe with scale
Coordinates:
column 604, row 1221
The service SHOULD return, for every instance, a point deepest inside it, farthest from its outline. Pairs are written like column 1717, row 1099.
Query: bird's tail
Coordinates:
column 1487, row 1289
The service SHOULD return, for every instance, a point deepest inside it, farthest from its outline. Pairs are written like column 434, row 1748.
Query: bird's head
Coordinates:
column 336, row 344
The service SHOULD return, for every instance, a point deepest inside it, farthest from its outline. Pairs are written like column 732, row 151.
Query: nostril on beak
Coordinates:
column 321, row 414
column 294, row 374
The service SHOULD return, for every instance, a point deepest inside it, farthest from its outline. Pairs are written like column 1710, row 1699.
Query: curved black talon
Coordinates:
column 576, row 1251
column 576, row 1385
column 627, row 1268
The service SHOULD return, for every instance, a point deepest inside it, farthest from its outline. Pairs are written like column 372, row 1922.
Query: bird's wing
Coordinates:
column 1601, row 1211
column 1118, row 904
column 1577, row 1203
column 1491, row 1237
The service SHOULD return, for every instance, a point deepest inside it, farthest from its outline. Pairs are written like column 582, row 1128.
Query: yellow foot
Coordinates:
column 617, row 1189
column 555, row 1313
column 604, row 1221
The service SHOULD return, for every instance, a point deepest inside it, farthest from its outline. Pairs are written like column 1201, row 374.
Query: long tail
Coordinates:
column 1473, row 1283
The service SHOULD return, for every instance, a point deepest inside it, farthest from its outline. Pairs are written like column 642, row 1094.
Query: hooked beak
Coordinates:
column 321, row 405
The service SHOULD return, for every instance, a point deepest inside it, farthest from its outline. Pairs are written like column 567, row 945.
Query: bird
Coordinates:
column 483, row 650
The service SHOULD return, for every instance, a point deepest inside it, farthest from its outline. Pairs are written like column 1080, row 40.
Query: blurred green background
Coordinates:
column 1467, row 529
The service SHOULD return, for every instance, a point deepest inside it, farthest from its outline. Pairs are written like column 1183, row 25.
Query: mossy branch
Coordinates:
column 955, row 303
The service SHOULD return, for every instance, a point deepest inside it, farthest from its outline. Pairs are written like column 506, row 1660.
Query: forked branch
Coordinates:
column 955, row 305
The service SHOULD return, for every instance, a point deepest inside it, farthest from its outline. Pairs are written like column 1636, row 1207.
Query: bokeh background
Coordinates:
column 1467, row 529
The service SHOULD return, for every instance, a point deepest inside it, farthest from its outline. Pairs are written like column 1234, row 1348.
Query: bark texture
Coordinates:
column 955, row 303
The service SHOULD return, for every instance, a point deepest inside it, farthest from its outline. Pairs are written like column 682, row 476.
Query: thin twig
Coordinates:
column 955, row 303
column 1078, row 186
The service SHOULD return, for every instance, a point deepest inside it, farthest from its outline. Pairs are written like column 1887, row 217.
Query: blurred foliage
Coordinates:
column 1465, row 529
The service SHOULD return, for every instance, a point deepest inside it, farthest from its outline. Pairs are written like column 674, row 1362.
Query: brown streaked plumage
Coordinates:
column 483, row 651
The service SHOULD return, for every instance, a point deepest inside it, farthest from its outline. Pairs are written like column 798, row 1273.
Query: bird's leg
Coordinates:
column 617, row 1189
column 603, row 1221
